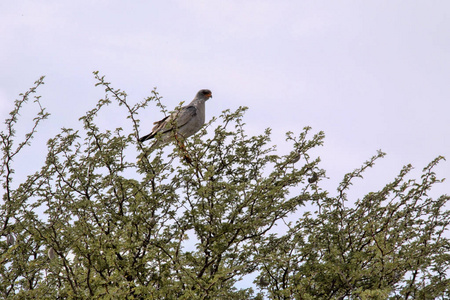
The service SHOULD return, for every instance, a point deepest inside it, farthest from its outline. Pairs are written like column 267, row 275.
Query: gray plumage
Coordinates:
column 51, row 253
column 10, row 240
column 185, row 122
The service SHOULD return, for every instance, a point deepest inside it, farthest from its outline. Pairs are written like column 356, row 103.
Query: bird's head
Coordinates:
column 204, row 94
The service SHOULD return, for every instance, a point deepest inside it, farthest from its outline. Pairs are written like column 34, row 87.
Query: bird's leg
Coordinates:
column 183, row 148
column 187, row 158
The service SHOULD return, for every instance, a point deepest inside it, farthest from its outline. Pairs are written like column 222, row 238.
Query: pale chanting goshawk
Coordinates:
column 182, row 123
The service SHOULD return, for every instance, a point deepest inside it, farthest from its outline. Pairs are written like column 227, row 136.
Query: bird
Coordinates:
column 181, row 123
column 10, row 240
column 51, row 253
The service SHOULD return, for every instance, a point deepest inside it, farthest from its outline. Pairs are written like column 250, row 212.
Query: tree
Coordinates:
column 98, row 222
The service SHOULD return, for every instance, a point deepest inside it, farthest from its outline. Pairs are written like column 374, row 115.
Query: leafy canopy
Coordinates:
column 107, row 218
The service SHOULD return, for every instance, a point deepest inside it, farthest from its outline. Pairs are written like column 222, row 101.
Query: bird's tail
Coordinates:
column 146, row 137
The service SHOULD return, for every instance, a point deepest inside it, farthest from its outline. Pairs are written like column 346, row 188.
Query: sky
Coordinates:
column 370, row 74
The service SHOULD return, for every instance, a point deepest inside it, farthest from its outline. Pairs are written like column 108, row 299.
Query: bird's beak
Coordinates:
column 210, row 96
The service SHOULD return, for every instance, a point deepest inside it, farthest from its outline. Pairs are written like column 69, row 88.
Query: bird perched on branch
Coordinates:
column 182, row 123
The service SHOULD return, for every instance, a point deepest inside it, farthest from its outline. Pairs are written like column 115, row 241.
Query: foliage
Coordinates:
column 97, row 222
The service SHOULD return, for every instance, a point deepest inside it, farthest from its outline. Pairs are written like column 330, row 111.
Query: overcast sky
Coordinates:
column 370, row 74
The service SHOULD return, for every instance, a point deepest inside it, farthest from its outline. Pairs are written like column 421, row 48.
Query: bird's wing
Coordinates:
column 180, row 118
column 185, row 115
column 160, row 124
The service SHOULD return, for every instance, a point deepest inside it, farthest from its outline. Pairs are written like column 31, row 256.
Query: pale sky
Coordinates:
column 370, row 74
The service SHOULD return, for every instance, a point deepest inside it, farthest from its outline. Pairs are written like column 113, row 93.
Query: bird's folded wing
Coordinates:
column 185, row 115
column 160, row 124
column 178, row 118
